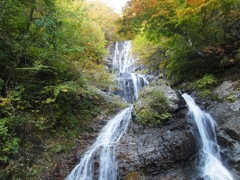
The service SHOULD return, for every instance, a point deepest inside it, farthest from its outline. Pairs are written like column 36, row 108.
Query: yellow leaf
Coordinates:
column 65, row 90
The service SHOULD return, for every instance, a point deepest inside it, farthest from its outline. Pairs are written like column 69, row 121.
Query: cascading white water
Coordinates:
column 122, row 59
column 136, row 84
column 104, row 147
column 101, row 155
column 123, row 64
column 211, row 166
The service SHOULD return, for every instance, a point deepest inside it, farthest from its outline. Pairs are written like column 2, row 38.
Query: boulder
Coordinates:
column 164, row 86
column 228, row 90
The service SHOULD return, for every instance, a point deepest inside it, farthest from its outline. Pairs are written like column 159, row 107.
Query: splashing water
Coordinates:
column 103, row 147
column 211, row 166
column 122, row 60
column 101, row 155
column 124, row 64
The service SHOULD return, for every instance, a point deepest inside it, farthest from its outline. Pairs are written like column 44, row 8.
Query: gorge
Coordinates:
column 89, row 91
column 114, row 155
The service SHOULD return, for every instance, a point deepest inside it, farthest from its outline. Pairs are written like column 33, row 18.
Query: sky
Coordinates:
column 117, row 5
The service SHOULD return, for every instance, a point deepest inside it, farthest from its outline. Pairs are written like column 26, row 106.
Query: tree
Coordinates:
column 105, row 17
column 186, row 28
column 49, row 50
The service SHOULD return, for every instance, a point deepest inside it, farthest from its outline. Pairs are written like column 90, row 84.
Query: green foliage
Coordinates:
column 51, row 51
column 197, row 37
column 105, row 17
column 133, row 176
column 150, row 53
column 155, row 109
column 204, row 85
column 206, row 81
column 9, row 144
column 142, row 47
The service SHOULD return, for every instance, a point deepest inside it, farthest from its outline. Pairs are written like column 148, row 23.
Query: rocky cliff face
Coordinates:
column 226, row 111
column 156, row 153
column 162, row 152
column 169, row 150
column 66, row 163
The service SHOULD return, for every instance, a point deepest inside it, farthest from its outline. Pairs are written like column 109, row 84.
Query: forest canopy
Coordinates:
column 199, row 36
column 51, row 62
column 52, row 70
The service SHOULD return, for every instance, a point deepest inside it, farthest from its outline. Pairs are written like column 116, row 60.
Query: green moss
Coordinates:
column 231, row 97
column 132, row 176
column 205, row 85
column 205, row 82
column 56, row 148
column 155, row 109
column 204, row 93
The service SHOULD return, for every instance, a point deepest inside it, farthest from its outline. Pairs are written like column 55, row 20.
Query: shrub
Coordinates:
column 205, row 85
column 9, row 144
column 132, row 176
column 206, row 81
column 155, row 109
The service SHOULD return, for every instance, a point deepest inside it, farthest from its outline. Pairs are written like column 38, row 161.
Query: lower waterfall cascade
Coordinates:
column 210, row 165
column 104, row 145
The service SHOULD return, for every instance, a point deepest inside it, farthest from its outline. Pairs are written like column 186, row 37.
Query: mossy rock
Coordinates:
column 153, row 108
column 133, row 176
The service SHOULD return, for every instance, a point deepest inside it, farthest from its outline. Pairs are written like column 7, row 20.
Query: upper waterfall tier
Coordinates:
column 123, row 60
column 123, row 63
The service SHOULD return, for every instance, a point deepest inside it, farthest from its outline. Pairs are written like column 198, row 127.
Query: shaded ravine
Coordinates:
column 99, row 161
column 210, row 165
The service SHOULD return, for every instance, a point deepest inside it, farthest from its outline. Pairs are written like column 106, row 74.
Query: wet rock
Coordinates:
column 227, row 114
column 86, row 138
column 230, row 149
column 126, row 88
column 156, row 152
column 228, row 88
column 161, row 152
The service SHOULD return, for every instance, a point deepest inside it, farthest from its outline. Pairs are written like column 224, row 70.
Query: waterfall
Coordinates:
column 122, row 60
column 124, row 64
column 136, row 84
column 211, row 167
column 100, row 157
column 104, row 148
